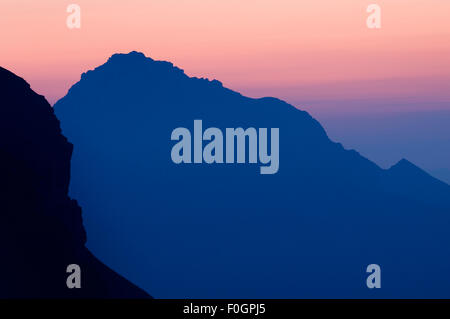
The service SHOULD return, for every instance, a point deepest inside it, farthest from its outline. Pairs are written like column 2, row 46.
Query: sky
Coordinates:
column 317, row 54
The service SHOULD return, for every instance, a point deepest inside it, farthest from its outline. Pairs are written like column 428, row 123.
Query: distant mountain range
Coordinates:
column 41, row 230
column 422, row 137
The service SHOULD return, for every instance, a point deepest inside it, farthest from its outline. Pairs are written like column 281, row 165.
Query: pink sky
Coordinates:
column 303, row 51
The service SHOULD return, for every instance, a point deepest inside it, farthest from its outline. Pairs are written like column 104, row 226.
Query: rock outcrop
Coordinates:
column 41, row 228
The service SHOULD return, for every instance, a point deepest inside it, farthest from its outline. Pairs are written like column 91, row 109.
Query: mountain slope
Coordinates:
column 409, row 180
column 41, row 227
column 225, row 230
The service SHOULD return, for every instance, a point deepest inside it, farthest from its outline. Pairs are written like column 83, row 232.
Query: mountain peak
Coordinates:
column 404, row 164
column 135, row 67
column 131, row 56
column 406, row 178
column 404, row 168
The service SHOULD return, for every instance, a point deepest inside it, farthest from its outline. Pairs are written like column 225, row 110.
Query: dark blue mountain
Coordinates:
column 225, row 230
column 41, row 229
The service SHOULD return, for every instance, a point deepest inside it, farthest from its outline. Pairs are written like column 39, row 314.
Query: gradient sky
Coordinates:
column 312, row 53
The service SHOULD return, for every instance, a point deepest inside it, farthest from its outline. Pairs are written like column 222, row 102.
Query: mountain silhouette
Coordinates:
column 41, row 227
column 225, row 230
column 409, row 180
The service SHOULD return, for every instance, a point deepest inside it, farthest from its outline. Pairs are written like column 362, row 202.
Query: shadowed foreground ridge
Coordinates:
column 41, row 229
column 224, row 230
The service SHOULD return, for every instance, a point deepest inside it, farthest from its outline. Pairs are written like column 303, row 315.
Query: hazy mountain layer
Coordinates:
column 225, row 230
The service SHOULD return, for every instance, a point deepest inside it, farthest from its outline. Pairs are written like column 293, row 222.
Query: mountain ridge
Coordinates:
column 324, row 202
column 136, row 57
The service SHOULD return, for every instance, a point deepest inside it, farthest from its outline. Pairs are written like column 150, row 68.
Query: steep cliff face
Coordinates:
column 41, row 229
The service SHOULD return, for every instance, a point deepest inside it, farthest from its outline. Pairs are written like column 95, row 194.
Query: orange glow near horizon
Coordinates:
column 292, row 49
